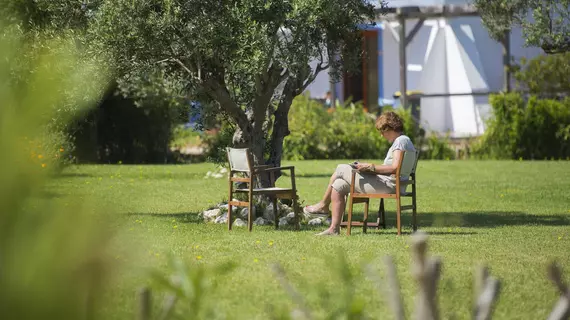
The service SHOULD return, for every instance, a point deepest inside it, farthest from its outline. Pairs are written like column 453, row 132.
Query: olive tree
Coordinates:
column 248, row 58
column 545, row 23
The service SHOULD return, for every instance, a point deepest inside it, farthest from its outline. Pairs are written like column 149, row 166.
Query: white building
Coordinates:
column 446, row 56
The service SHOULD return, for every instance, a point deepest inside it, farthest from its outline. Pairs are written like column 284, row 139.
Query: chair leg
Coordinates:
column 250, row 213
column 230, row 217
column 296, row 211
column 349, row 222
column 414, row 212
column 398, row 215
column 276, row 213
column 381, row 215
column 365, row 215
column 230, row 207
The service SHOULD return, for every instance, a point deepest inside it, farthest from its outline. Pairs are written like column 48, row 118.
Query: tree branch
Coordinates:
column 220, row 93
column 302, row 86
column 184, row 67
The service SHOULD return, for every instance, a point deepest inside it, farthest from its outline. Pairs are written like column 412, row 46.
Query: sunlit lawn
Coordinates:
column 513, row 216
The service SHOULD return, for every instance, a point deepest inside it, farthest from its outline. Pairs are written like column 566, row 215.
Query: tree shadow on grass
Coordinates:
column 71, row 175
column 473, row 219
column 182, row 217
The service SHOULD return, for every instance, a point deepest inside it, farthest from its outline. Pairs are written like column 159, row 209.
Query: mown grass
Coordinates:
column 512, row 216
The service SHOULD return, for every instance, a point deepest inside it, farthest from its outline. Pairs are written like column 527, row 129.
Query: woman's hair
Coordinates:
column 389, row 121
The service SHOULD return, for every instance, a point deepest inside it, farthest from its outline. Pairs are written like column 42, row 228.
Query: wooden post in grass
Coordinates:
column 144, row 304
column 562, row 308
column 486, row 293
column 167, row 307
column 394, row 294
column 426, row 271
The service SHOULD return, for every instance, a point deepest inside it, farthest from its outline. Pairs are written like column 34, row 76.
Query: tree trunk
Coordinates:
column 280, row 131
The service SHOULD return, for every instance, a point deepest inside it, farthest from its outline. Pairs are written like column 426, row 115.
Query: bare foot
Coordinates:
column 329, row 232
column 316, row 209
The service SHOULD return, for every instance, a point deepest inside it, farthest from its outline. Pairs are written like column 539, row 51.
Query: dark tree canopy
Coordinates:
column 248, row 58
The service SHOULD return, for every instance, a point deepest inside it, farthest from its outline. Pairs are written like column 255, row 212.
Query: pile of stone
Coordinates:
column 264, row 215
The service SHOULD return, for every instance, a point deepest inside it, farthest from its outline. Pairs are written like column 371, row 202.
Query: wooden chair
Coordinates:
column 408, row 158
column 241, row 160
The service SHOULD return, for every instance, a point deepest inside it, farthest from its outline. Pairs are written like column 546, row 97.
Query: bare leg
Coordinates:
column 338, row 206
column 323, row 205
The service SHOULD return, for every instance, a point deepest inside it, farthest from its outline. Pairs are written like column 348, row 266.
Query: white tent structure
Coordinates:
column 450, row 58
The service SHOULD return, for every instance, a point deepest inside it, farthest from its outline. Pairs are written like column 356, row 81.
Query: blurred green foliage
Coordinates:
column 344, row 132
column 52, row 254
column 532, row 129
column 545, row 76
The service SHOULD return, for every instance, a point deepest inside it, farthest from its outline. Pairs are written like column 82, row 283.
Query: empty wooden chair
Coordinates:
column 241, row 160
column 409, row 160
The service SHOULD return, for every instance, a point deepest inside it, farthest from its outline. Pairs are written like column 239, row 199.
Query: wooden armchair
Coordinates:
column 241, row 160
column 408, row 158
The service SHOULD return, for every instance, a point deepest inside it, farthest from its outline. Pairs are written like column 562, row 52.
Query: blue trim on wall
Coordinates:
column 380, row 67
column 368, row 26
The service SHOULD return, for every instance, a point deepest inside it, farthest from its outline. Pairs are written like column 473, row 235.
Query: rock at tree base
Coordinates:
column 269, row 213
column 315, row 222
column 222, row 219
column 261, row 222
column 211, row 215
column 244, row 212
column 239, row 223
column 283, row 221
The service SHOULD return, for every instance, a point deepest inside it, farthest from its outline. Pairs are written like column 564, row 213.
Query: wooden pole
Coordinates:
column 507, row 60
column 144, row 304
column 403, row 62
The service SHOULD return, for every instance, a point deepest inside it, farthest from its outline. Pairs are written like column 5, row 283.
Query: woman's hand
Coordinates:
column 365, row 167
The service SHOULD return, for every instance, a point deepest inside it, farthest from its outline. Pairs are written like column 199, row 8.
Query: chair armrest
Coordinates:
column 262, row 167
column 276, row 168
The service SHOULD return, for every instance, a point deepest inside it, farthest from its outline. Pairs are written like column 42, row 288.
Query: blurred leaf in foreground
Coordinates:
column 52, row 249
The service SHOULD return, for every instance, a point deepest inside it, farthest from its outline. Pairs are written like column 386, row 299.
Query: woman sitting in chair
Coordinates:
column 371, row 178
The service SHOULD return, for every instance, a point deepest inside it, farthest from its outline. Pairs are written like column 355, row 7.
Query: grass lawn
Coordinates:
column 513, row 216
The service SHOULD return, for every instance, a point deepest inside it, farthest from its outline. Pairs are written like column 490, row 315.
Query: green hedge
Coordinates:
column 531, row 129
column 348, row 132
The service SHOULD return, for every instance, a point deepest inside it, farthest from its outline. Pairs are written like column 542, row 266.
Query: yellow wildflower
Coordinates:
column 40, row 156
column 198, row 257
column 175, row 227
column 44, row 165
column 61, row 150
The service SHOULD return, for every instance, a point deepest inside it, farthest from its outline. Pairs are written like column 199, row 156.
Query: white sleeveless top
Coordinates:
column 403, row 143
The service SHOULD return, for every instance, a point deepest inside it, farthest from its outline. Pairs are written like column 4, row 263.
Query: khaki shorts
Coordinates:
column 363, row 182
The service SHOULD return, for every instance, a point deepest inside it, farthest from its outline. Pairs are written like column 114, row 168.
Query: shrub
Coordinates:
column 52, row 255
column 129, row 130
column 533, row 129
column 545, row 76
column 348, row 132
column 345, row 132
